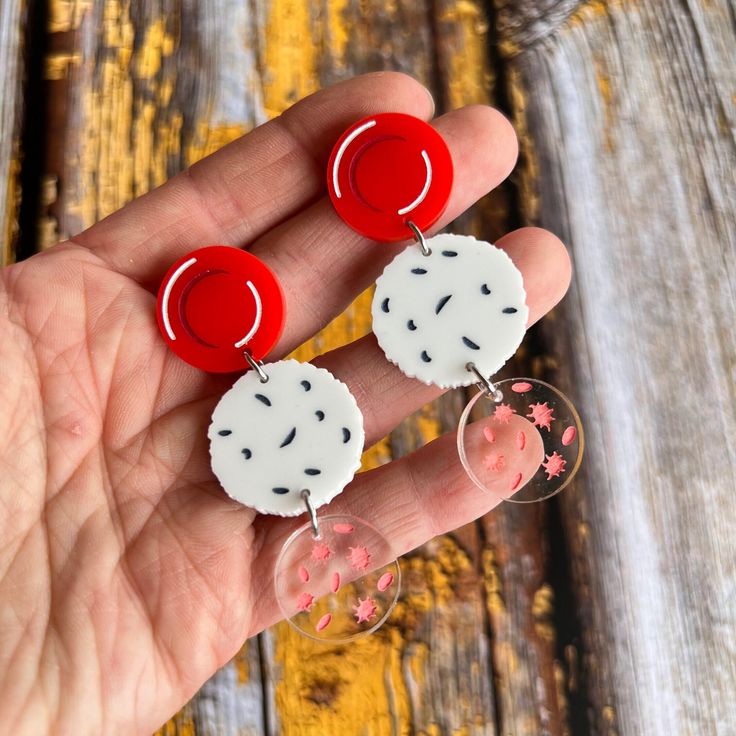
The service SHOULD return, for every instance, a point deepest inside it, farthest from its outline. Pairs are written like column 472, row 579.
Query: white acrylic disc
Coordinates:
column 463, row 303
column 301, row 430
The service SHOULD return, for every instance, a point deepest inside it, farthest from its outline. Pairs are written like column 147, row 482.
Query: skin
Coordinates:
column 127, row 577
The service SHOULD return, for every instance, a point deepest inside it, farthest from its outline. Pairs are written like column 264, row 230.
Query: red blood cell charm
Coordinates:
column 216, row 303
column 387, row 170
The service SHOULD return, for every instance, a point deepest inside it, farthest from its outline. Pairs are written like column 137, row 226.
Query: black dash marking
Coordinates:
column 280, row 491
column 510, row 310
column 471, row 344
column 247, row 454
column 384, row 305
column 419, row 271
column 306, row 385
column 320, row 415
column 225, row 432
column 312, row 471
column 449, row 253
column 425, row 357
column 410, row 324
column 485, row 290
column 289, row 438
column 441, row 303
column 346, row 435
column 263, row 399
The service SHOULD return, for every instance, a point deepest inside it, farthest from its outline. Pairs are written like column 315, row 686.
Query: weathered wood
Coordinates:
column 232, row 700
column 11, row 109
column 626, row 113
column 629, row 116
column 514, row 563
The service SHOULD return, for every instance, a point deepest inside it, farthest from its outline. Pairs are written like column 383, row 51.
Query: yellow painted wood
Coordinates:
column 11, row 208
column 12, row 22
column 66, row 15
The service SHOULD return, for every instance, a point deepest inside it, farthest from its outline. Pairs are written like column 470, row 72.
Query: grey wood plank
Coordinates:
column 628, row 112
column 231, row 702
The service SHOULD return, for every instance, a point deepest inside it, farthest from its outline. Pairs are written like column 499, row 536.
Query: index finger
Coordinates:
column 251, row 185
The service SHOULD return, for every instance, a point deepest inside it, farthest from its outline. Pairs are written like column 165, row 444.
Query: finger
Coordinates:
column 250, row 185
column 410, row 501
column 385, row 395
column 323, row 264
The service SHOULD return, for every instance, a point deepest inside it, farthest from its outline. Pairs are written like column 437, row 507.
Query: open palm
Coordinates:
column 126, row 575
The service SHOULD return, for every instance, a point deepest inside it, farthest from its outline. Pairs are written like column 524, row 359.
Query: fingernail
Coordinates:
column 431, row 99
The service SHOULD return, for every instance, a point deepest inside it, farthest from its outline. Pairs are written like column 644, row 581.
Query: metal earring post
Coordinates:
column 257, row 366
column 419, row 236
column 485, row 384
column 307, row 497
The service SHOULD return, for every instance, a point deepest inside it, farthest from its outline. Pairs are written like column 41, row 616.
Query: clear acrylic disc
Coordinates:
column 326, row 586
column 530, row 445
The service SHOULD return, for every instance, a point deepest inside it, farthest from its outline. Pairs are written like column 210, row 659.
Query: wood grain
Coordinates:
column 12, row 14
column 629, row 114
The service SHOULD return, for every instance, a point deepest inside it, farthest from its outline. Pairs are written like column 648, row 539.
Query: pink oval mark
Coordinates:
column 384, row 582
column 335, row 586
column 569, row 435
column 489, row 434
column 303, row 574
column 521, row 440
column 521, row 387
column 324, row 622
column 344, row 528
column 517, row 482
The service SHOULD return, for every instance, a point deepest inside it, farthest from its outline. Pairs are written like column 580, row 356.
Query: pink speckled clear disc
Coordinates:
column 528, row 447
column 340, row 585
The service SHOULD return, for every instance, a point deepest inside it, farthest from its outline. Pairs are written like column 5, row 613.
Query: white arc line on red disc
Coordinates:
column 257, row 320
column 341, row 152
column 167, row 293
column 425, row 189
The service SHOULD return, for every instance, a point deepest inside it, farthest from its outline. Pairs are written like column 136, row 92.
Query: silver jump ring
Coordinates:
column 307, row 497
column 419, row 236
column 257, row 366
column 485, row 384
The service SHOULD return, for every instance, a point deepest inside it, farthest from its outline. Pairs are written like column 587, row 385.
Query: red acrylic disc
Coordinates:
column 389, row 169
column 216, row 303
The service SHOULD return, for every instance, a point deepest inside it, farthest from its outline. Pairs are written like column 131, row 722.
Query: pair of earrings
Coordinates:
column 288, row 436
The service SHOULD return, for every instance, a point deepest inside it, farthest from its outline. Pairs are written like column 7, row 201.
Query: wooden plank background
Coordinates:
column 608, row 610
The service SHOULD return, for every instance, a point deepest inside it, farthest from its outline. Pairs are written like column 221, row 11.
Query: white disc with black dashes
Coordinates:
column 465, row 302
column 301, row 430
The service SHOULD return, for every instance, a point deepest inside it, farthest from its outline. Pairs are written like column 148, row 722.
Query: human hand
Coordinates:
column 127, row 576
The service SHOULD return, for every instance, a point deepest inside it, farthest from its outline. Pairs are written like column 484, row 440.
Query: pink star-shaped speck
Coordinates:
column 503, row 413
column 554, row 465
column 304, row 601
column 321, row 552
column 365, row 610
column 494, row 462
column 359, row 557
column 541, row 414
